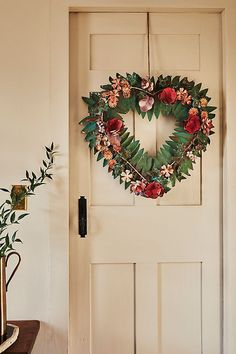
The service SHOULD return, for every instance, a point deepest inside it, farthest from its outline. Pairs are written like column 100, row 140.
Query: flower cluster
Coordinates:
column 118, row 86
column 144, row 175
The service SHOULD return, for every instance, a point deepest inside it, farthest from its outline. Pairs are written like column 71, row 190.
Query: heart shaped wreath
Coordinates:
column 104, row 129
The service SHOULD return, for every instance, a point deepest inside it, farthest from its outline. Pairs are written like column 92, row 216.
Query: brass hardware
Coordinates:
column 16, row 192
column 3, row 288
column 3, row 310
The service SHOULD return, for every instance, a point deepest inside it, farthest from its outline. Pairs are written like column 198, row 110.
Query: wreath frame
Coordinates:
column 105, row 131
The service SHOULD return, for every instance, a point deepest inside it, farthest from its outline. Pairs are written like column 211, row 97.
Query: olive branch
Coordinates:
column 8, row 213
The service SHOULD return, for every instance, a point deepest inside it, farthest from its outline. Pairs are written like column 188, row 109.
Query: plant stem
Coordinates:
column 133, row 168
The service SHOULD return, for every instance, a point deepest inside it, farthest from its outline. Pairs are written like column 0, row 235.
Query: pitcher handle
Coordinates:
column 16, row 267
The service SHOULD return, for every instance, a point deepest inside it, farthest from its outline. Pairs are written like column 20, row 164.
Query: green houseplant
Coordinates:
column 10, row 217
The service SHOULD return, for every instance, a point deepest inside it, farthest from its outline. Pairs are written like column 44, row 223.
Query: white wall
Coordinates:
column 30, row 118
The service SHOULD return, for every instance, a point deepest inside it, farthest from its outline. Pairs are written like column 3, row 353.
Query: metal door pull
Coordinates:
column 82, row 206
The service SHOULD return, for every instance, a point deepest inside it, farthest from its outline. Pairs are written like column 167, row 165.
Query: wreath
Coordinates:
column 105, row 131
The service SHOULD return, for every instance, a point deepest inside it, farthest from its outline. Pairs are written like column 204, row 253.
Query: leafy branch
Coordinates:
column 8, row 209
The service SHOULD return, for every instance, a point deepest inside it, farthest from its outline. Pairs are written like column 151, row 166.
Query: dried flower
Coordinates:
column 138, row 187
column 167, row 95
column 116, row 84
column 183, row 96
column 191, row 156
column 203, row 102
column 166, row 170
column 206, row 126
column 107, row 154
column 113, row 98
column 126, row 176
column 111, row 164
column 154, row 190
column 192, row 124
column 147, row 84
column 126, row 89
column 204, row 115
column 146, row 103
column 193, row 111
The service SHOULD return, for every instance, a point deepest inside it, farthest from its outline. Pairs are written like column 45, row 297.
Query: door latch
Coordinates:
column 82, row 211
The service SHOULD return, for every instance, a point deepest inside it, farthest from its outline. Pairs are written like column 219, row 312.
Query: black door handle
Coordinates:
column 82, row 206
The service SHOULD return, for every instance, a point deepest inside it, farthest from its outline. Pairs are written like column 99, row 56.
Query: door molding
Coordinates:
column 60, row 102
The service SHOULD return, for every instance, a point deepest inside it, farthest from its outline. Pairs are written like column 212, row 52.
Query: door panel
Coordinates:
column 146, row 280
column 112, row 308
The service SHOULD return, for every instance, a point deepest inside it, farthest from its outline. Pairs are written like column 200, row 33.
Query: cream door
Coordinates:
column 147, row 279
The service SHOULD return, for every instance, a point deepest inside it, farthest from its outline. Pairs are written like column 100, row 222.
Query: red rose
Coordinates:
column 154, row 190
column 168, row 95
column 192, row 124
column 114, row 126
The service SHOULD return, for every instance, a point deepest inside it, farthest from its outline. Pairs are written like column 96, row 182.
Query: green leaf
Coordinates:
column 203, row 93
column 133, row 146
column 14, row 236
column 107, row 87
column 180, row 112
column 90, row 136
column 196, row 89
column 157, row 108
column 89, row 101
column 175, row 81
column 5, row 190
column 124, row 137
column 105, row 162
column 100, row 156
column 210, row 108
column 137, row 157
column 127, row 142
column 112, row 113
column 90, row 127
column 173, row 180
column 127, row 184
column 150, row 113
column 211, row 116
column 185, row 166
column 12, row 218
column 22, row 216
column 123, row 105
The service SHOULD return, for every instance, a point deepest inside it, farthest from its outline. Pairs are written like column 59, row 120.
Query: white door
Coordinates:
column 147, row 279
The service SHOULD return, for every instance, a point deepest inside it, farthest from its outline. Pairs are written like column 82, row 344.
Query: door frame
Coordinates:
column 59, row 82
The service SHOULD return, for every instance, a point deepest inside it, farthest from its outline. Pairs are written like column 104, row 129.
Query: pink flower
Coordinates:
column 146, row 103
column 167, row 95
column 183, row 96
column 154, row 190
column 137, row 187
column 146, row 84
column 207, row 125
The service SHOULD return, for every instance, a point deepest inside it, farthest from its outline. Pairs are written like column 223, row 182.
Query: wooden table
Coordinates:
column 27, row 335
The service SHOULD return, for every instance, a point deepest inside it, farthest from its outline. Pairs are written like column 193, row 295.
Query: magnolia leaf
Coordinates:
column 91, row 126
column 89, row 101
column 100, row 156
column 127, row 142
column 150, row 113
column 124, row 137
column 137, row 157
column 157, row 108
column 210, row 108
